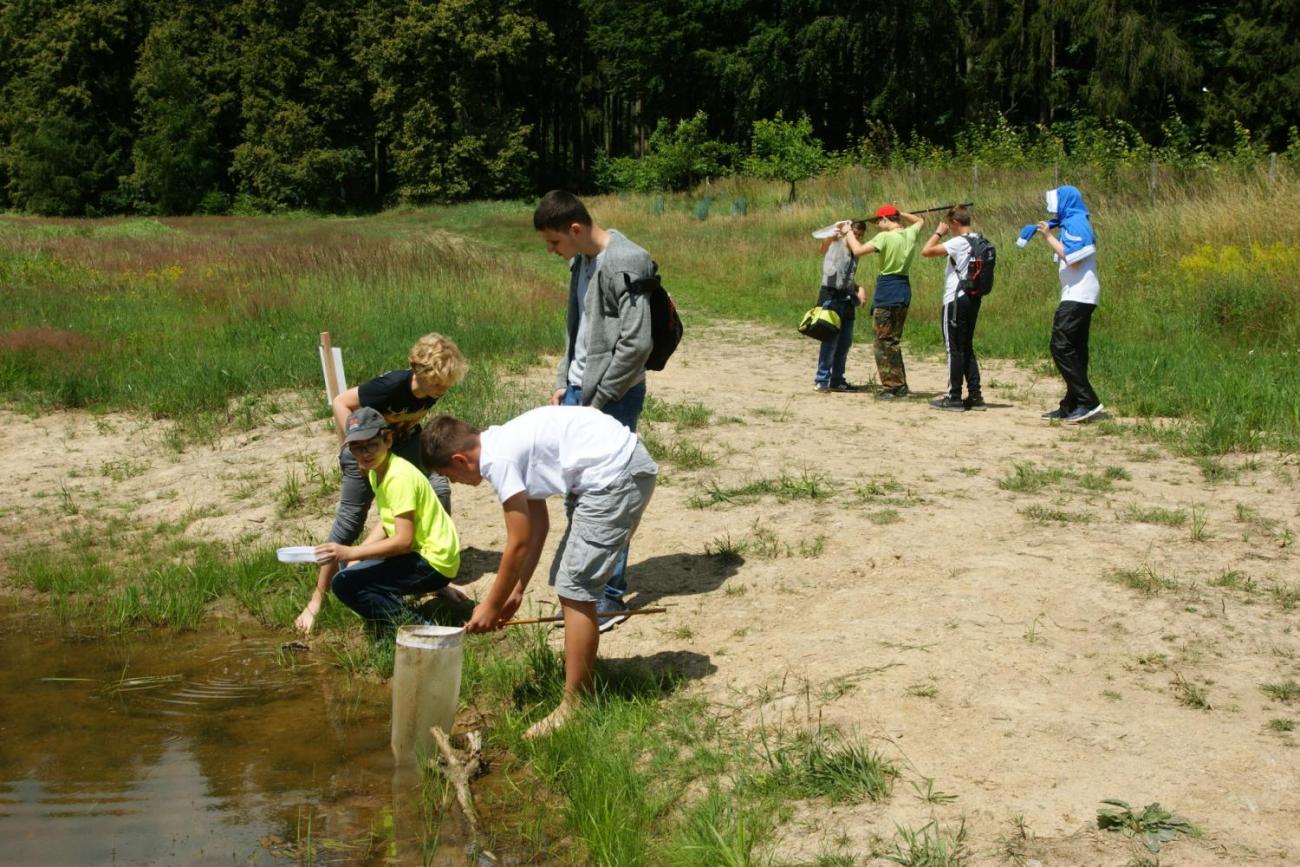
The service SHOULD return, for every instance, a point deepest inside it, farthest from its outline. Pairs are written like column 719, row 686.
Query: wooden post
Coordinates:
column 975, row 178
column 331, row 380
column 1155, row 179
column 1056, row 175
column 1272, row 167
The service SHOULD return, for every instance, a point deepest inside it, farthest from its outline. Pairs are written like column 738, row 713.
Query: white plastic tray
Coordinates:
column 297, row 554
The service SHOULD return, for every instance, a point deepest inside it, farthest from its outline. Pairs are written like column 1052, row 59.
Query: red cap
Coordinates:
column 886, row 211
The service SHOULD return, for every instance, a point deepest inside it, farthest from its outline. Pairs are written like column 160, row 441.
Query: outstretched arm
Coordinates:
column 856, row 247
column 527, row 524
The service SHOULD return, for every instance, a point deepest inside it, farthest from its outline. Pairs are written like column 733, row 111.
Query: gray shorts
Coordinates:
column 600, row 525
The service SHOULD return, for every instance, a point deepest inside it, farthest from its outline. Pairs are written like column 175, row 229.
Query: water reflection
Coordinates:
column 192, row 749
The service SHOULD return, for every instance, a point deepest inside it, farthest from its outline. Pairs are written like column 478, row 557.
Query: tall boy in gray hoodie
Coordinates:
column 608, row 331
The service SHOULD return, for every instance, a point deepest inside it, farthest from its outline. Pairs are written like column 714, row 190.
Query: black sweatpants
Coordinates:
column 1070, row 352
column 959, row 336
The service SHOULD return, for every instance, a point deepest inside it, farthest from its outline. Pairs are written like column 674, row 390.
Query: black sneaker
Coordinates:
column 845, row 386
column 948, row 404
column 889, row 395
column 1053, row 415
column 976, row 403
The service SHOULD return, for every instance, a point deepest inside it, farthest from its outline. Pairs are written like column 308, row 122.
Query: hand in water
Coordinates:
column 307, row 619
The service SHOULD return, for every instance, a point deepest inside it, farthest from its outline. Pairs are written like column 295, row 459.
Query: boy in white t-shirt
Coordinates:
column 960, row 310
column 606, row 477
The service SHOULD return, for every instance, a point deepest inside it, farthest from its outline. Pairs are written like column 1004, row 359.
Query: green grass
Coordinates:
column 1154, row 515
column 1143, row 580
column 1026, row 478
column 806, row 486
column 1190, row 694
column 1285, row 691
column 188, row 323
column 823, row 764
column 1231, row 579
column 1045, row 515
column 683, row 416
column 172, row 591
column 931, row 845
column 1196, row 322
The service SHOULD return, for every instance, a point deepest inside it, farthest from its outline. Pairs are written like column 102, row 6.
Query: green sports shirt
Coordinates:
column 404, row 489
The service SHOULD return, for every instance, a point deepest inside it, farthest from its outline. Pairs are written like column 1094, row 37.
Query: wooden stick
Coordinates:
column 926, row 210
column 522, row 621
column 459, row 776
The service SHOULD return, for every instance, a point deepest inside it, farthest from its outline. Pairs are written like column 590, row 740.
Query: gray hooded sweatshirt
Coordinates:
column 618, row 324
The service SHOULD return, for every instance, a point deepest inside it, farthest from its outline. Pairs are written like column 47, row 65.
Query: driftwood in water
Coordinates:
column 460, row 772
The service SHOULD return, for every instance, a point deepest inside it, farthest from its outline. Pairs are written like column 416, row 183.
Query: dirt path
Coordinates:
column 984, row 638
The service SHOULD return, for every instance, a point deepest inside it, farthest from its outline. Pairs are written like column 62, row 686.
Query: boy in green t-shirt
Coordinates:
column 896, row 245
column 413, row 550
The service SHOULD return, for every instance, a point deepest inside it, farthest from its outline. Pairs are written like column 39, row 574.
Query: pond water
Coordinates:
column 215, row 747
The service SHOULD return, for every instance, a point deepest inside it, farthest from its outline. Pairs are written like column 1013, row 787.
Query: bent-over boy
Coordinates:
column 606, row 477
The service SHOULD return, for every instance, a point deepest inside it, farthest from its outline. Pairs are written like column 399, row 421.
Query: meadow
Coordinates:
column 1197, row 320
column 206, row 328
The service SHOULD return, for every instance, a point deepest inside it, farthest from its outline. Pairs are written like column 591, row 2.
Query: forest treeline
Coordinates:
column 181, row 106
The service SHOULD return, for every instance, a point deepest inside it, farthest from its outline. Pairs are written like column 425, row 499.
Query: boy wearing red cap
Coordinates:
column 896, row 245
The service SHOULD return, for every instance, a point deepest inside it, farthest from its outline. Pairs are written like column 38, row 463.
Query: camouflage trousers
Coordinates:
column 887, row 325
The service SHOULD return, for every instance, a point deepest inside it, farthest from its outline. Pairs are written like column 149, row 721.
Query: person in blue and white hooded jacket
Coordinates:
column 1075, row 254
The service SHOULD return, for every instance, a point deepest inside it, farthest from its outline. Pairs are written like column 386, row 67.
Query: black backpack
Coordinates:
column 978, row 279
column 665, row 324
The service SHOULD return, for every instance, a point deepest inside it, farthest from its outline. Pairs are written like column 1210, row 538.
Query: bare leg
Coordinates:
column 581, row 640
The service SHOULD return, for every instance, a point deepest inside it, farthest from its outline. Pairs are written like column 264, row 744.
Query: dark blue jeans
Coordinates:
column 374, row 588
column 834, row 352
column 627, row 409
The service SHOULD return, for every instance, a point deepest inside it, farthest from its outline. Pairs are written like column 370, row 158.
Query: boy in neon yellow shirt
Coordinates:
column 413, row 550
column 896, row 245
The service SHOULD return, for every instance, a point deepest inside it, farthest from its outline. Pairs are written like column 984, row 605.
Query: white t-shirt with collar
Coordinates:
column 555, row 450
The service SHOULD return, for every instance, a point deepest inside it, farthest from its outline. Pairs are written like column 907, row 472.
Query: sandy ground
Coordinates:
column 918, row 604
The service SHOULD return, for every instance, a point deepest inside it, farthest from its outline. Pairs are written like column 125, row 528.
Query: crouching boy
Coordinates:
column 607, row 478
column 413, row 550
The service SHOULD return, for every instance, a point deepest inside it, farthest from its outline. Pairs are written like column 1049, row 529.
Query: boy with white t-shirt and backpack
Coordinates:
column 961, row 308
column 605, row 475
